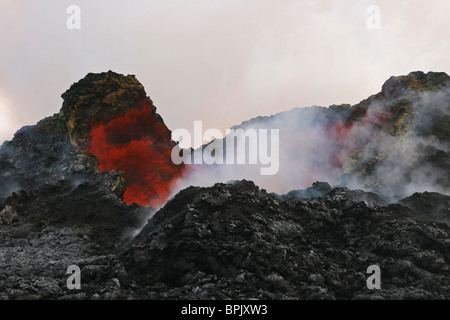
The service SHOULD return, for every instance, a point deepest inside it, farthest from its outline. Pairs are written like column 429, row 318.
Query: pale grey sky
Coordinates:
column 219, row 61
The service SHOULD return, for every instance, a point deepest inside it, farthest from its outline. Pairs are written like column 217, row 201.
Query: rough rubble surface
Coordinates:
column 228, row 241
column 237, row 241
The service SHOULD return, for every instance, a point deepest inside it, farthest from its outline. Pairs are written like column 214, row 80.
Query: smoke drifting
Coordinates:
column 313, row 145
column 394, row 143
column 273, row 56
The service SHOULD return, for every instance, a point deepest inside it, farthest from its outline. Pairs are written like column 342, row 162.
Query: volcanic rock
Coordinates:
column 7, row 215
column 318, row 189
column 99, row 98
column 429, row 204
column 417, row 110
column 237, row 241
column 393, row 143
column 60, row 206
column 48, row 181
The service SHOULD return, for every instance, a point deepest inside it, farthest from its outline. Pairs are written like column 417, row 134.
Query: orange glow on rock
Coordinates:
column 140, row 146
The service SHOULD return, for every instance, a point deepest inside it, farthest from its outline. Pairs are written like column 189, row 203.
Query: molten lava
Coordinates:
column 140, row 146
column 349, row 136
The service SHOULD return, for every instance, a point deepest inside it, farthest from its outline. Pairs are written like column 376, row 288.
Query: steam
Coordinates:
column 7, row 119
column 319, row 144
column 306, row 152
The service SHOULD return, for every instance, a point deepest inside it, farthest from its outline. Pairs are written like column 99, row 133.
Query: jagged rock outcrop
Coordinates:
column 99, row 98
column 417, row 117
column 48, row 178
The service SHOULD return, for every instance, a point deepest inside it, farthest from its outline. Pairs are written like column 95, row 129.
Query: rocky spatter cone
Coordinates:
column 416, row 105
column 403, row 101
column 383, row 144
column 99, row 98
column 401, row 97
column 48, row 178
column 417, row 110
column 235, row 240
column 55, row 148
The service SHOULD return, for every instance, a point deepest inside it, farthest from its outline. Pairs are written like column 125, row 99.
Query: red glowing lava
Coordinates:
column 140, row 146
column 349, row 136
